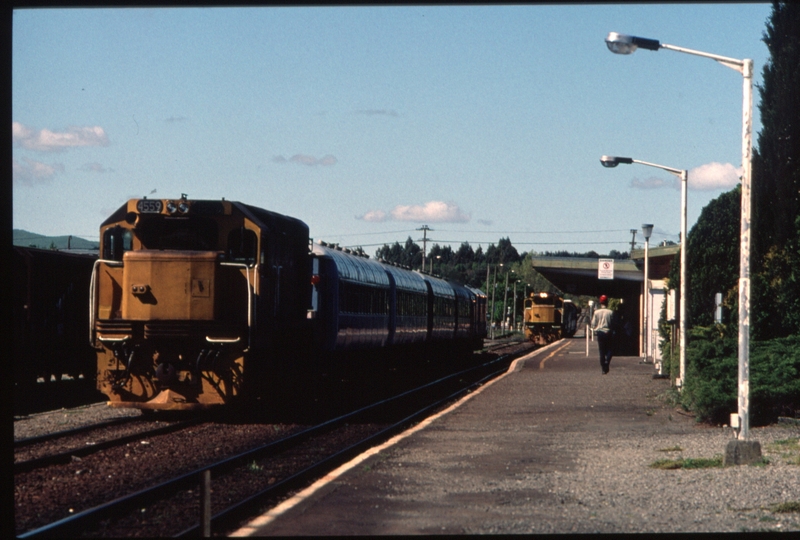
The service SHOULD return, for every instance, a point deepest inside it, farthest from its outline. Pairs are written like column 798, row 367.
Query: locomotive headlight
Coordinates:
column 183, row 207
column 171, row 208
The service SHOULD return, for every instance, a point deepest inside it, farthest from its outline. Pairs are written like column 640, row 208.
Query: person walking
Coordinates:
column 603, row 326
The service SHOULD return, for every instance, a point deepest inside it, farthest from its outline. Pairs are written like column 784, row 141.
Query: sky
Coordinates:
column 369, row 123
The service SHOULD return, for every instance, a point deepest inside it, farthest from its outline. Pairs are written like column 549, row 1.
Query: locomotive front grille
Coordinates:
column 114, row 330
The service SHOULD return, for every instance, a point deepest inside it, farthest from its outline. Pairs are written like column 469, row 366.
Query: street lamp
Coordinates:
column 494, row 290
column 624, row 44
column 647, row 230
column 613, row 161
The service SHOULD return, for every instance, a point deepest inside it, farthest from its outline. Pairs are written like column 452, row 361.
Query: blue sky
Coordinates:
column 369, row 122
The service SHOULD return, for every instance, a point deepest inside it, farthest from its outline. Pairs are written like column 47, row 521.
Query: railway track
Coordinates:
column 65, row 446
column 247, row 482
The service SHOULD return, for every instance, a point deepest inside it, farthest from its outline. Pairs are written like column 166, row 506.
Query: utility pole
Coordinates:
column 633, row 240
column 424, row 230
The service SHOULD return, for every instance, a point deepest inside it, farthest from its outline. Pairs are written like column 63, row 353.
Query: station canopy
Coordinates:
column 579, row 275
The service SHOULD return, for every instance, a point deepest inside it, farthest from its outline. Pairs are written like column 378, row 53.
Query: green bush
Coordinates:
column 711, row 387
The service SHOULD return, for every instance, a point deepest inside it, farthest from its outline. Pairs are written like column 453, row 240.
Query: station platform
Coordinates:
column 491, row 463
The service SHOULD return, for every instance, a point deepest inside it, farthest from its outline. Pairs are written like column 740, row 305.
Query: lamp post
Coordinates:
column 514, row 317
column 612, row 161
column 647, row 230
column 624, row 44
column 505, row 303
column 491, row 311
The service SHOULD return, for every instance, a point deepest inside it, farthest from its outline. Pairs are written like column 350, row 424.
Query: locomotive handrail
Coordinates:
column 92, row 307
column 250, row 295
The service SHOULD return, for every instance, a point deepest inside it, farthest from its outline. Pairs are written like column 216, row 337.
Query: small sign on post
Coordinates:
column 605, row 269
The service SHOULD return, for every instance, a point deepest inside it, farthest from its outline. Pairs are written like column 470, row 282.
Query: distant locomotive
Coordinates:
column 548, row 317
column 196, row 302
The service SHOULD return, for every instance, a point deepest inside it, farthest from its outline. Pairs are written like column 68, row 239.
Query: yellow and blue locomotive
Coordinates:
column 193, row 300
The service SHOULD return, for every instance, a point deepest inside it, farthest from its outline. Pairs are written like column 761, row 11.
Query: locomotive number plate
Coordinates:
column 147, row 206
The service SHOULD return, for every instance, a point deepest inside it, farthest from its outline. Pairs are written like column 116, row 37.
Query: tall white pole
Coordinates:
column 744, row 254
column 623, row 44
column 646, row 326
column 684, row 249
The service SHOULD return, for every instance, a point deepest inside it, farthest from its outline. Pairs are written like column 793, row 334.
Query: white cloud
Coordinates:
column 377, row 112
column 94, row 167
column 431, row 212
column 713, row 176
column 708, row 177
column 54, row 141
column 30, row 172
column 375, row 216
column 311, row 161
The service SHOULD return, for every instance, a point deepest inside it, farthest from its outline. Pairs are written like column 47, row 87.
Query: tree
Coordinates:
column 508, row 253
column 408, row 255
column 775, row 258
column 464, row 255
column 712, row 258
column 776, row 171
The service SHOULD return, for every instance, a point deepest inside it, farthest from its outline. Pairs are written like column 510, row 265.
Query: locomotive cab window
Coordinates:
column 185, row 233
column 116, row 241
column 242, row 246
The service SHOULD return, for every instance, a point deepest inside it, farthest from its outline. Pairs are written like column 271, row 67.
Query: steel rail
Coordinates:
column 30, row 441
column 67, row 456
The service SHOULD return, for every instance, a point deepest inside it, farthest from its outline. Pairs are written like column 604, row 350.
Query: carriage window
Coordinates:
column 242, row 245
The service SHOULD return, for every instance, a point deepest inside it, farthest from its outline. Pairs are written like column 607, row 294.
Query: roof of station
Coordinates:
column 578, row 275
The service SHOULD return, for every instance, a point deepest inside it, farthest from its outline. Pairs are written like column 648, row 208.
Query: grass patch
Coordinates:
column 785, row 444
column 789, row 449
column 786, row 508
column 687, row 463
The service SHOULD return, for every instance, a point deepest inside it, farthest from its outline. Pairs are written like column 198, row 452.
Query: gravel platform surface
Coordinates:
column 557, row 447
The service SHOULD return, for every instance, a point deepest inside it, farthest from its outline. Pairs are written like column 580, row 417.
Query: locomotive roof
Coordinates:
column 267, row 219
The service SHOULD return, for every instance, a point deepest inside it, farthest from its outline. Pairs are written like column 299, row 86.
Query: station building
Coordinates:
column 584, row 276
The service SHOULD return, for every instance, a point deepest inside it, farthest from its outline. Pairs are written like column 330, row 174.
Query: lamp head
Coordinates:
column 613, row 161
column 625, row 44
column 647, row 230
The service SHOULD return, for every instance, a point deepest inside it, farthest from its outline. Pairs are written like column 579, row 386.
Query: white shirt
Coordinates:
column 602, row 319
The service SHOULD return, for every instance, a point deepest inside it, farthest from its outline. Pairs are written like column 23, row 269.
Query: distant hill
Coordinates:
column 29, row 239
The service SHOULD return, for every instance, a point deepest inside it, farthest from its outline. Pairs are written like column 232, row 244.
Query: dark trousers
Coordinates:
column 604, row 344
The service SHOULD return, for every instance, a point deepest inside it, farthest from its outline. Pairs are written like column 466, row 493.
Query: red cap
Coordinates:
column 603, row 299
